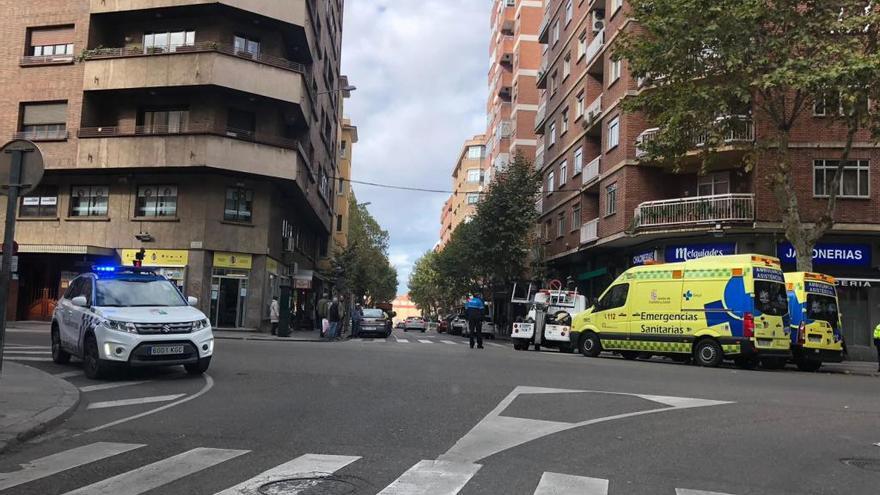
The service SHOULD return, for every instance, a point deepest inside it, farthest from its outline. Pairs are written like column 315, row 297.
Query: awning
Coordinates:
column 65, row 249
column 593, row 274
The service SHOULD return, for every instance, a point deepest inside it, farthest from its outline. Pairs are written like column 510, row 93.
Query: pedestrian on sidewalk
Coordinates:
column 474, row 309
column 877, row 344
column 334, row 316
column 356, row 317
column 274, row 314
column 321, row 310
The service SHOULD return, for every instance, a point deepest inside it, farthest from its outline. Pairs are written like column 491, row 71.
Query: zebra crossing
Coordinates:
column 27, row 353
column 426, row 477
column 427, row 341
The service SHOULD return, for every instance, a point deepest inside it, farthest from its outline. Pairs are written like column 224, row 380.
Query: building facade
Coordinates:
column 514, row 59
column 203, row 132
column 348, row 137
column 468, row 179
column 604, row 209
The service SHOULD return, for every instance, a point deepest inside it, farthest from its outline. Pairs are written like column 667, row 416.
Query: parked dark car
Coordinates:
column 375, row 322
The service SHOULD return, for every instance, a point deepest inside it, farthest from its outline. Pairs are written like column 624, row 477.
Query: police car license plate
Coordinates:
column 164, row 350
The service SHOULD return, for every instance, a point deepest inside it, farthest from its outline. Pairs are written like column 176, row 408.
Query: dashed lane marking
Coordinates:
column 108, row 386
column 132, row 402
column 565, row 484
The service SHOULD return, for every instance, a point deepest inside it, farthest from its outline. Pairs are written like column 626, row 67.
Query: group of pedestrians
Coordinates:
column 336, row 317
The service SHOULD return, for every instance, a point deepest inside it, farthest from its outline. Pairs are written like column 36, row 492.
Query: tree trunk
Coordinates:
column 784, row 191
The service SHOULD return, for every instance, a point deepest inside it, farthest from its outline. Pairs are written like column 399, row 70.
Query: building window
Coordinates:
column 547, row 227
column 614, row 71
column 241, row 123
column 569, row 11
column 560, row 224
column 579, row 106
column 582, row 45
column 566, row 66
column 554, row 36
column 44, row 121
column 52, row 50
column 246, row 46
column 475, row 152
column 167, row 121
column 168, row 41
column 239, row 205
column 853, row 183
column 40, row 203
column 156, row 201
column 89, row 201
column 343, row 146
column 563, row 173
column 611, row 199
column 340, row 189
column 552, row 83
column 338, row 223
column 713, row 184
column 552, row 131
column 615, row 5
column 473, row 198
column 576, row 217
column 551, row 182
column 613, row 133
column 578, row 160
column 564, row 117
column 51, row 42
column 474, row 175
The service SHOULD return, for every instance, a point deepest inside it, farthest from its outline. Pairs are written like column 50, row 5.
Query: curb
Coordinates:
column 265, row 339
column 48, row 418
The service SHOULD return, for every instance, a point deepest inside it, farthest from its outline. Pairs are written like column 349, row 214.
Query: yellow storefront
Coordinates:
column 170, row 263
column 230, row 282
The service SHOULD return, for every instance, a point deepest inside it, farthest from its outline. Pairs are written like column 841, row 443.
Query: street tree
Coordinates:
column 704, row 62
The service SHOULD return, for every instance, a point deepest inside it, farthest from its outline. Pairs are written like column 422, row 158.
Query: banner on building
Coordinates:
column 239, row 261
column 642, row 258
column 157, row 257
column 829, row 254
column 676, row 254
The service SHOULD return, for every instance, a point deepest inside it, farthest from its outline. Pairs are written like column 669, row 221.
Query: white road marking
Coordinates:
column 27, row 347
column 433, row 478
column 16, row 351
column 159, row 473
column 68, row 374
column 107, row 386
column 401, row 341
column 62, row 461
column 132, row 402
column 565, row 484
column 307, row 466
column 27, row 358
column 682, row 491
column 495, row 345
column 426, row 341
column 449, row 342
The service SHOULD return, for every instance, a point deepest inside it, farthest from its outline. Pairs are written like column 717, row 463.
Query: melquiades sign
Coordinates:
column 696, row 251
column 829, row 254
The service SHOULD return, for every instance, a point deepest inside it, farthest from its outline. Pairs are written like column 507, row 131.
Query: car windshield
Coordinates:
column 373, row 313
column 822, row 308
column 771, row 298
column 137, row 293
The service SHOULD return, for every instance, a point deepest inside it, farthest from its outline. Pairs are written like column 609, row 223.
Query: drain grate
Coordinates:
column 867, row 464
column 331, row 485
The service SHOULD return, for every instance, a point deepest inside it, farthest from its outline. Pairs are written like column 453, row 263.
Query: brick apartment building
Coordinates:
column 203, row 131
column 468, row 179
column 603, row 210
column 514, row 58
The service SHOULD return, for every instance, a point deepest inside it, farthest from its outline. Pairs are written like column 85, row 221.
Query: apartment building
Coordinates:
column 201, row 131
column 348, row 137
column 604, row 209
column 514, row 59
column 468, row 178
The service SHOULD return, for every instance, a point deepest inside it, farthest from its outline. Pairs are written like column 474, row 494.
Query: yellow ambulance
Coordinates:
column 709, row 309
column 816, row 331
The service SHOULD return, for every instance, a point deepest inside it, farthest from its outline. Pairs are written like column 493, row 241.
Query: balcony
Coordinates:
column 590, row 231
column 539, row 205
column 590, row 173
column 192, row 145
column 739, row 129
column 43, row 135
column 503, row 83
column 544, row 70
column 643, row 139
column 35, row 61
column 502, row 161
column 539, row 159
column 699, row 210
column 201, row 64
column 289, row 11
column 593, row 115
column 540, row 117
column 594, row 48
column 503, row 130
column 506, row 50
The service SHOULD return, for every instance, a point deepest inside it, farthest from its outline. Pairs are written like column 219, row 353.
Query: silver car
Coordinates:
column 416, row 324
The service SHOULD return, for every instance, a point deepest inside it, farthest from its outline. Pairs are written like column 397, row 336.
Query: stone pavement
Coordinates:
column 31, row 401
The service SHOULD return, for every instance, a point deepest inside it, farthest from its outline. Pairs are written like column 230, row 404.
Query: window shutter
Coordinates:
column 45, row 113
column 52, row 36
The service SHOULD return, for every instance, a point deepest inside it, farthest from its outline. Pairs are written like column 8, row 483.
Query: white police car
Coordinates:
column 125, row 316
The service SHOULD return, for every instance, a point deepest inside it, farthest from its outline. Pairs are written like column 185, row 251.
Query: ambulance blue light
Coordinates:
column 104, row 268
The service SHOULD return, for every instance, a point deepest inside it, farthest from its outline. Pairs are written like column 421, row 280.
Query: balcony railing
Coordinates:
column 46, row 60
column 742, row 130
column 590, row 231
column 595, row 46
column 190, row 129
column 539, row 205
column 541, row 115
column 203, row 46
column 644, row 138
column 504, row 129
column 593, row 112
column 47, row 135
column 591, row 171
column 539, row 160
column 696, row 210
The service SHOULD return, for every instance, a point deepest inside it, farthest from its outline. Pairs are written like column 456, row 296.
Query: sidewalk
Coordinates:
column 31, row 401
column 297, row 336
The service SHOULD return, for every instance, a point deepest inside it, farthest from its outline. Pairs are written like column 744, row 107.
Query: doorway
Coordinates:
column 228, row 301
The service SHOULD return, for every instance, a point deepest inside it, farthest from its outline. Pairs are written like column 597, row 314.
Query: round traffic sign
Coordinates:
column 32, row 165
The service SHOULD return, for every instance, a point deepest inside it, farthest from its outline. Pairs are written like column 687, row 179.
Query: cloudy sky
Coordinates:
column 420, row 69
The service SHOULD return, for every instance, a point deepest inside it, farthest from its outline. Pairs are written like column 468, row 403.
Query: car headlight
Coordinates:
column 121, row 326
column 201, row 325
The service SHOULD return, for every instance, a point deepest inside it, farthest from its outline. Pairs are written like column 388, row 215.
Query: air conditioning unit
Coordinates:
column 598, row 21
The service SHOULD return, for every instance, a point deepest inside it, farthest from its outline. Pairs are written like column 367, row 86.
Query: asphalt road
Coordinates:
column 424, row 414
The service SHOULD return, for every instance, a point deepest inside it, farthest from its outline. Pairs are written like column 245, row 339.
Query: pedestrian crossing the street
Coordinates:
column 426, row 477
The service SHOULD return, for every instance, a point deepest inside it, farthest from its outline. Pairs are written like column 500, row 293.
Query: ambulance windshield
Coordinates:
column 822, row 308
column 771, row 298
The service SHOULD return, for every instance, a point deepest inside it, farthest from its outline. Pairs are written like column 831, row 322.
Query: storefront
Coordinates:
column 230, row 281
column 170, row 263
column 304, row 299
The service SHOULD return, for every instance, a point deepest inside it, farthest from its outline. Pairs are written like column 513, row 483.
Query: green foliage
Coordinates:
column 706, row 61
column 363, row 268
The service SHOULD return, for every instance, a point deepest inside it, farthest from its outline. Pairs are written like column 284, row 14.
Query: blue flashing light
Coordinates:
column 104, row 268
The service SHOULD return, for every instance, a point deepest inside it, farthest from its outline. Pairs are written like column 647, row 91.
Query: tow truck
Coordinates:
column 548, row 320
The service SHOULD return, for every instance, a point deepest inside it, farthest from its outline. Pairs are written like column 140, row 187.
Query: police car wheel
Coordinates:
column 708, row 353
column 94, row 367
column 629, row 355
column 590, row 345
column 808, row 365
column 59, row 355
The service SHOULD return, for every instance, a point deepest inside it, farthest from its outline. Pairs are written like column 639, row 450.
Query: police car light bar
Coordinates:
column 104, row 268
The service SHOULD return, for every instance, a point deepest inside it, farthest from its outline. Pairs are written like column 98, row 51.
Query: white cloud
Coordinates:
column 420, row 69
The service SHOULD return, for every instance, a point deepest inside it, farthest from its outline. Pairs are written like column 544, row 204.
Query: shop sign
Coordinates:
column 676, row 254
column 239, row 261
column 829, row 254
column 271, row 266
column 859, row 283
column 157, row 257
column 302, row 279
column 642, row 258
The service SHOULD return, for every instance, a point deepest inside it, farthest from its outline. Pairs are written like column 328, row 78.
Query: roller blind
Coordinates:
column 45, row 113
column 52, row 36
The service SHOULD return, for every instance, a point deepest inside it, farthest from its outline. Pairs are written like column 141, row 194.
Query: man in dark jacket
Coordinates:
column 334, row 316
column 475, row 309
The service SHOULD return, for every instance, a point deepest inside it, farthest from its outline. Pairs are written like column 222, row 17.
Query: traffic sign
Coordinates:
column 32, row 166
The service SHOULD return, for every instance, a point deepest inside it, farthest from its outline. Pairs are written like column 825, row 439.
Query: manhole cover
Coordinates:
column 868, row 464
column 309, row 486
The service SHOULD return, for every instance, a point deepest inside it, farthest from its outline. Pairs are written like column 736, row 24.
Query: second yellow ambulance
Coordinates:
column 816, row 334
column 709, row 309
